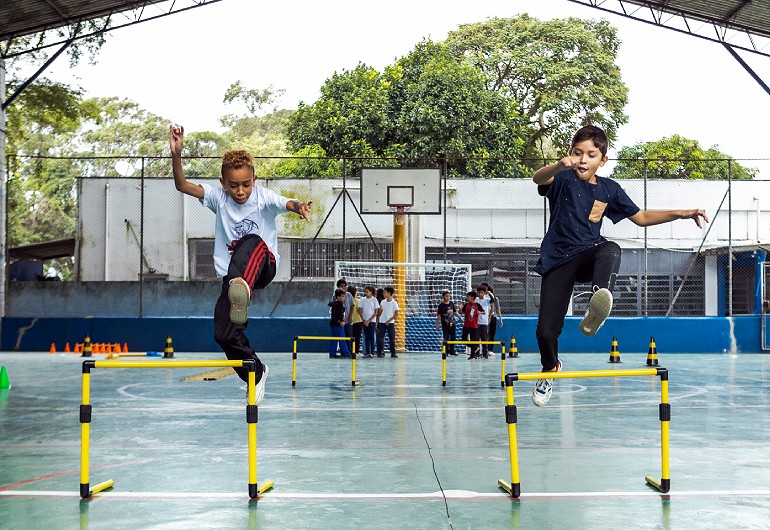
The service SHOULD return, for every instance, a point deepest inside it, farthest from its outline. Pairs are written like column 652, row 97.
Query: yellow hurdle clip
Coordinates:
column 86, row 490
column 511, row 417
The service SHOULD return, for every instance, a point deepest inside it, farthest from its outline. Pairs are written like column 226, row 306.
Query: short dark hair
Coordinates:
column 471, row 293
column 389, row 290
column 338, row 293
column 341, row 281
column 595, row 134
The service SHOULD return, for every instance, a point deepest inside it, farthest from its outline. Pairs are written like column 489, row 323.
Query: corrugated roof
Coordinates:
column 26, row 17
column 739, row 15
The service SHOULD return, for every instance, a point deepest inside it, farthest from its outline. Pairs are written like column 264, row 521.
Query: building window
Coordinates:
column 201, row 256
column 315, row 259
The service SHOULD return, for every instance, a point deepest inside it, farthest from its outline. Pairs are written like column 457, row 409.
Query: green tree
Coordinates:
column 677, row 157
column 428, row 104
column 560, row 74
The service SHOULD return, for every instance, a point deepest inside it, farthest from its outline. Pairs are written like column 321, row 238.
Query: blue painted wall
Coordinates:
column 674, row 335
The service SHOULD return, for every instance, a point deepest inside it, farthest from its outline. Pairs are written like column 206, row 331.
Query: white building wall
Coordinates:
column 483, row 212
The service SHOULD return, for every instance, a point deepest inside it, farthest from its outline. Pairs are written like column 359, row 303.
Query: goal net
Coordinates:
column 418, row 288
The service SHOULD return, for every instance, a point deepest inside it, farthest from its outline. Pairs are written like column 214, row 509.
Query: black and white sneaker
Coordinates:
column 543, row 389
column 599, row 308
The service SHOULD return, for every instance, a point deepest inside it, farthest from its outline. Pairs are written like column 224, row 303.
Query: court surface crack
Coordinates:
column 433, row 464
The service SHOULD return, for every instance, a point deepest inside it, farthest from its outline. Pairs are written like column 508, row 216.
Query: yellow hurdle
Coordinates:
column 663, row 485
column 85, row 416
column 298, row 338
column 467, row 342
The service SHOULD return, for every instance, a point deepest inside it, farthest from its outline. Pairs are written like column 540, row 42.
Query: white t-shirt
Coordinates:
column 255, row 216
column 484, row 303
column 388, row 310
column 368, row 307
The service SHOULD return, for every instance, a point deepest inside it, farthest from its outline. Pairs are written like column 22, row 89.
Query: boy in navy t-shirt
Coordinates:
column 573, row 249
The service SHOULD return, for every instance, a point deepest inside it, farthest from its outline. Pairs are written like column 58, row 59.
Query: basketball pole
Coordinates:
column 399, row 280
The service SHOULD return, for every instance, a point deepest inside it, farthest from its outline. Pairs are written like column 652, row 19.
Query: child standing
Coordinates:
column 369, row 308
column 245, row 244
column 471, row 322
column 573, row 249
column 357, row 321
column 337, row 325
column 496, row 315
column 445, row 318
column 388, row 313
column 485, row 302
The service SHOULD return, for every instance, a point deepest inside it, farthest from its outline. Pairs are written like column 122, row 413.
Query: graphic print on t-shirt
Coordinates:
column 242, row 228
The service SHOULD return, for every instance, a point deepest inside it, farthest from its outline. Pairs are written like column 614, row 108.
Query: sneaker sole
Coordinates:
column 238, row 294
column 599, row 308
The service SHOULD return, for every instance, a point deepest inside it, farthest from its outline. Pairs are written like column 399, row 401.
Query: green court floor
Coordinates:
column 398, row 451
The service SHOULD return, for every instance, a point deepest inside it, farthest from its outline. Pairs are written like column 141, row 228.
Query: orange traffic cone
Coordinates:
column 67, row 348
column 125, row 347
column 52, row 349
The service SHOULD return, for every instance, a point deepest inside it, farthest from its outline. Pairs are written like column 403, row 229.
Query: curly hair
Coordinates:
column 237, row 160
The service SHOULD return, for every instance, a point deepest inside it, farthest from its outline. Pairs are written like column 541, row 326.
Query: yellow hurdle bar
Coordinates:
column 467, row 342
column 514, row 487
column 319, row 337
column 85, row 416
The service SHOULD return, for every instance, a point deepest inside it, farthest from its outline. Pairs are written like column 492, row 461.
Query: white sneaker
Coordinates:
column 543, row 389
column 239, row 295
column 259, row 388
column 599, row 308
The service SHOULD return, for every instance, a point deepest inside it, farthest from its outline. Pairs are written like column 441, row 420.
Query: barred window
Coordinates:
column 201, row 259
column 315, row 259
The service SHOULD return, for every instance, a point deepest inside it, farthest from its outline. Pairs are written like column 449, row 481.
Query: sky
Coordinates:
column 179, row 66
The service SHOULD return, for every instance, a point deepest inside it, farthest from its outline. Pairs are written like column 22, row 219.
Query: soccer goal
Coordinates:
column 418, row 288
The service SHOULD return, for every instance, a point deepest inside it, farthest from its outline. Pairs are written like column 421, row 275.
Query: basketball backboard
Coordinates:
column 411, row 190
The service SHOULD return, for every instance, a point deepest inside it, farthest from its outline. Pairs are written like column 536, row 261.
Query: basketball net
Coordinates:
column 399, row 218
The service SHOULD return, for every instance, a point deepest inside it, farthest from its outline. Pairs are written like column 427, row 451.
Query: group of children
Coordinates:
column 479, row 315
column 372, row 317
column 573, row 250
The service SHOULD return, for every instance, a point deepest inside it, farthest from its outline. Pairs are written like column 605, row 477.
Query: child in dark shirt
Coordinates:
column 573, row 249
column 337, row 325
column 445, row 318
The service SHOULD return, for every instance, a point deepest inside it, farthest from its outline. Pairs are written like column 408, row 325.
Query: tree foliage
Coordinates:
column 560, row 74
column 676, row 157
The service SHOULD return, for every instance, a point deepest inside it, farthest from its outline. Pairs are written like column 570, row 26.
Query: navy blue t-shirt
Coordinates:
column 577, row 209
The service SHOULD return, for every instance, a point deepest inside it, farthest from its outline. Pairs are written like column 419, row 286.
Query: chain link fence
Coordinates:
column 140, row 248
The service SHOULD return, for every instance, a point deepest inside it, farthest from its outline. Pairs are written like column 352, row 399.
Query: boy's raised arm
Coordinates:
column 176, row 141
column 545, row 174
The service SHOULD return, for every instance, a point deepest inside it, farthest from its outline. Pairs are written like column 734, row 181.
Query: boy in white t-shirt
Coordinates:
column 368, row 310
column 485, row 301
column 245, row 244
column 388, row 313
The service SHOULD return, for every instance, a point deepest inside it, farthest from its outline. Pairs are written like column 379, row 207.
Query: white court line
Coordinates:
column 437, row 495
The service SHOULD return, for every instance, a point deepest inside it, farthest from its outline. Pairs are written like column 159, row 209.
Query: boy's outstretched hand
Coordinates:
column 696, row 216
column 303, row 209
column 176, row 139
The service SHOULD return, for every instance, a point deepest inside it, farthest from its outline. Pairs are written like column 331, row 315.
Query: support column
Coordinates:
column 399, row 280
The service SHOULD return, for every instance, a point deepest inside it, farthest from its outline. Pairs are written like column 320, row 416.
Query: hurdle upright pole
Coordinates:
column 502, row 373
column 664, row 484
column 353, row 362
column 294, row 364
column 514, row 487
column 85, row 436
column 443, row 363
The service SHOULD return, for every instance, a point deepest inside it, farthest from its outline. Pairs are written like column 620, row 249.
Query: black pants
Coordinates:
column 449, row 333
column 484, row 336
column 598, row 265
column 390, row 329
column 471, row 334
column 252, row 261
column 492, row 331
column 357, row 329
